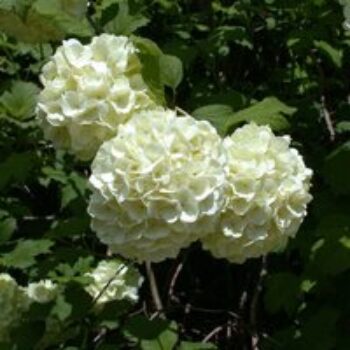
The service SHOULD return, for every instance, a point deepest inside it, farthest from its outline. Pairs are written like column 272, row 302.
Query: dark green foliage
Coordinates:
column 285, row 63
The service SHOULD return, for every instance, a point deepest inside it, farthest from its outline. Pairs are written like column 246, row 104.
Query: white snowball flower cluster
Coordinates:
column 42, row 292
column 113, row 280
column 158, row 185
column 13, row 303
column 267, row 194
column 346, row 12
column 88, row 91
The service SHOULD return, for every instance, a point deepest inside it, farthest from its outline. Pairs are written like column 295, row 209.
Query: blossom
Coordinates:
column 42, row 292
column 13, row 303
column 88, row 91
column 114, row 280
column 267, row 193
column 158, row 185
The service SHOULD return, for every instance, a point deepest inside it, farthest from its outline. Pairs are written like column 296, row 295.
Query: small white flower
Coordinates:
column 113, row 280
column 88, row 91
column 158, row 185
column 42, row 292
column 13, row 303
column 267, row 193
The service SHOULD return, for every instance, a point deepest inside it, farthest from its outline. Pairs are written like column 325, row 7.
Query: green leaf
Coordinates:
column 331, row 53
column 114, row 310
column 319, row 331
column 44, row 20
column 307, row 285
column 70, row 227
column 20, row 101
column 216, row 114
column 343, row 127
column 28, row 334
column 25, row 253
column 282, row 292
column 75, row 8
column 7, row 226
column 79, row 299
column 125, row 23
column 16, row 168
column 141, row 327
column 62, row 309
column 331, row 255
column 146, row 46
column 75, row 188
column 237, row 35
column 171, row 71
column 67, row 16
column 154, row 334
column 185, row 345
column 66, row 273
column 269, row 111
column 28, row 26
column 336, row 169
column 149, row 54
column 164, row 341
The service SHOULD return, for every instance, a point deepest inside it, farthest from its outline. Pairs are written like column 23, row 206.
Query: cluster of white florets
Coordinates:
column 13, row 303
column 346, row 12
column 114, row 280
column 158, row 185
column 165, row 181
column 161, row 181
column 42, row 292
column 266, row 195
column 88, row 91
column 111, row 280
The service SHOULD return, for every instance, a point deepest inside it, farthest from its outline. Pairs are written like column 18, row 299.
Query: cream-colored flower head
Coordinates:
column 13, row 303
column 42, row 292
column 267, row 194
column 114, row 280
column 157, row 186
column 88, row 91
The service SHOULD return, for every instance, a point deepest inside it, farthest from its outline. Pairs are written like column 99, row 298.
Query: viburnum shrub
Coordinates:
column 161, row 181
column 113, row 174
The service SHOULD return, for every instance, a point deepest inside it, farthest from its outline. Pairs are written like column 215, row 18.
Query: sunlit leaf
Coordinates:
column 125, row 23
column 7, row 226
column 20, row 101
column 25, row 252
column 171, row 71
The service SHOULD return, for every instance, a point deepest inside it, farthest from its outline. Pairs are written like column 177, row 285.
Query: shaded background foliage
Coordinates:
column 282, row 63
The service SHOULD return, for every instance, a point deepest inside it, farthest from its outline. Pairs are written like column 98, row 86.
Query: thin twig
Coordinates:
column 322, row 86
column 327, row 117
column 188, row 308
column 229, row 331
column 174, row 279
column 254, row 304
column 181, row 111
column 212, row 334
column 154, row 288
column 243, row 300
column 106, row 286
